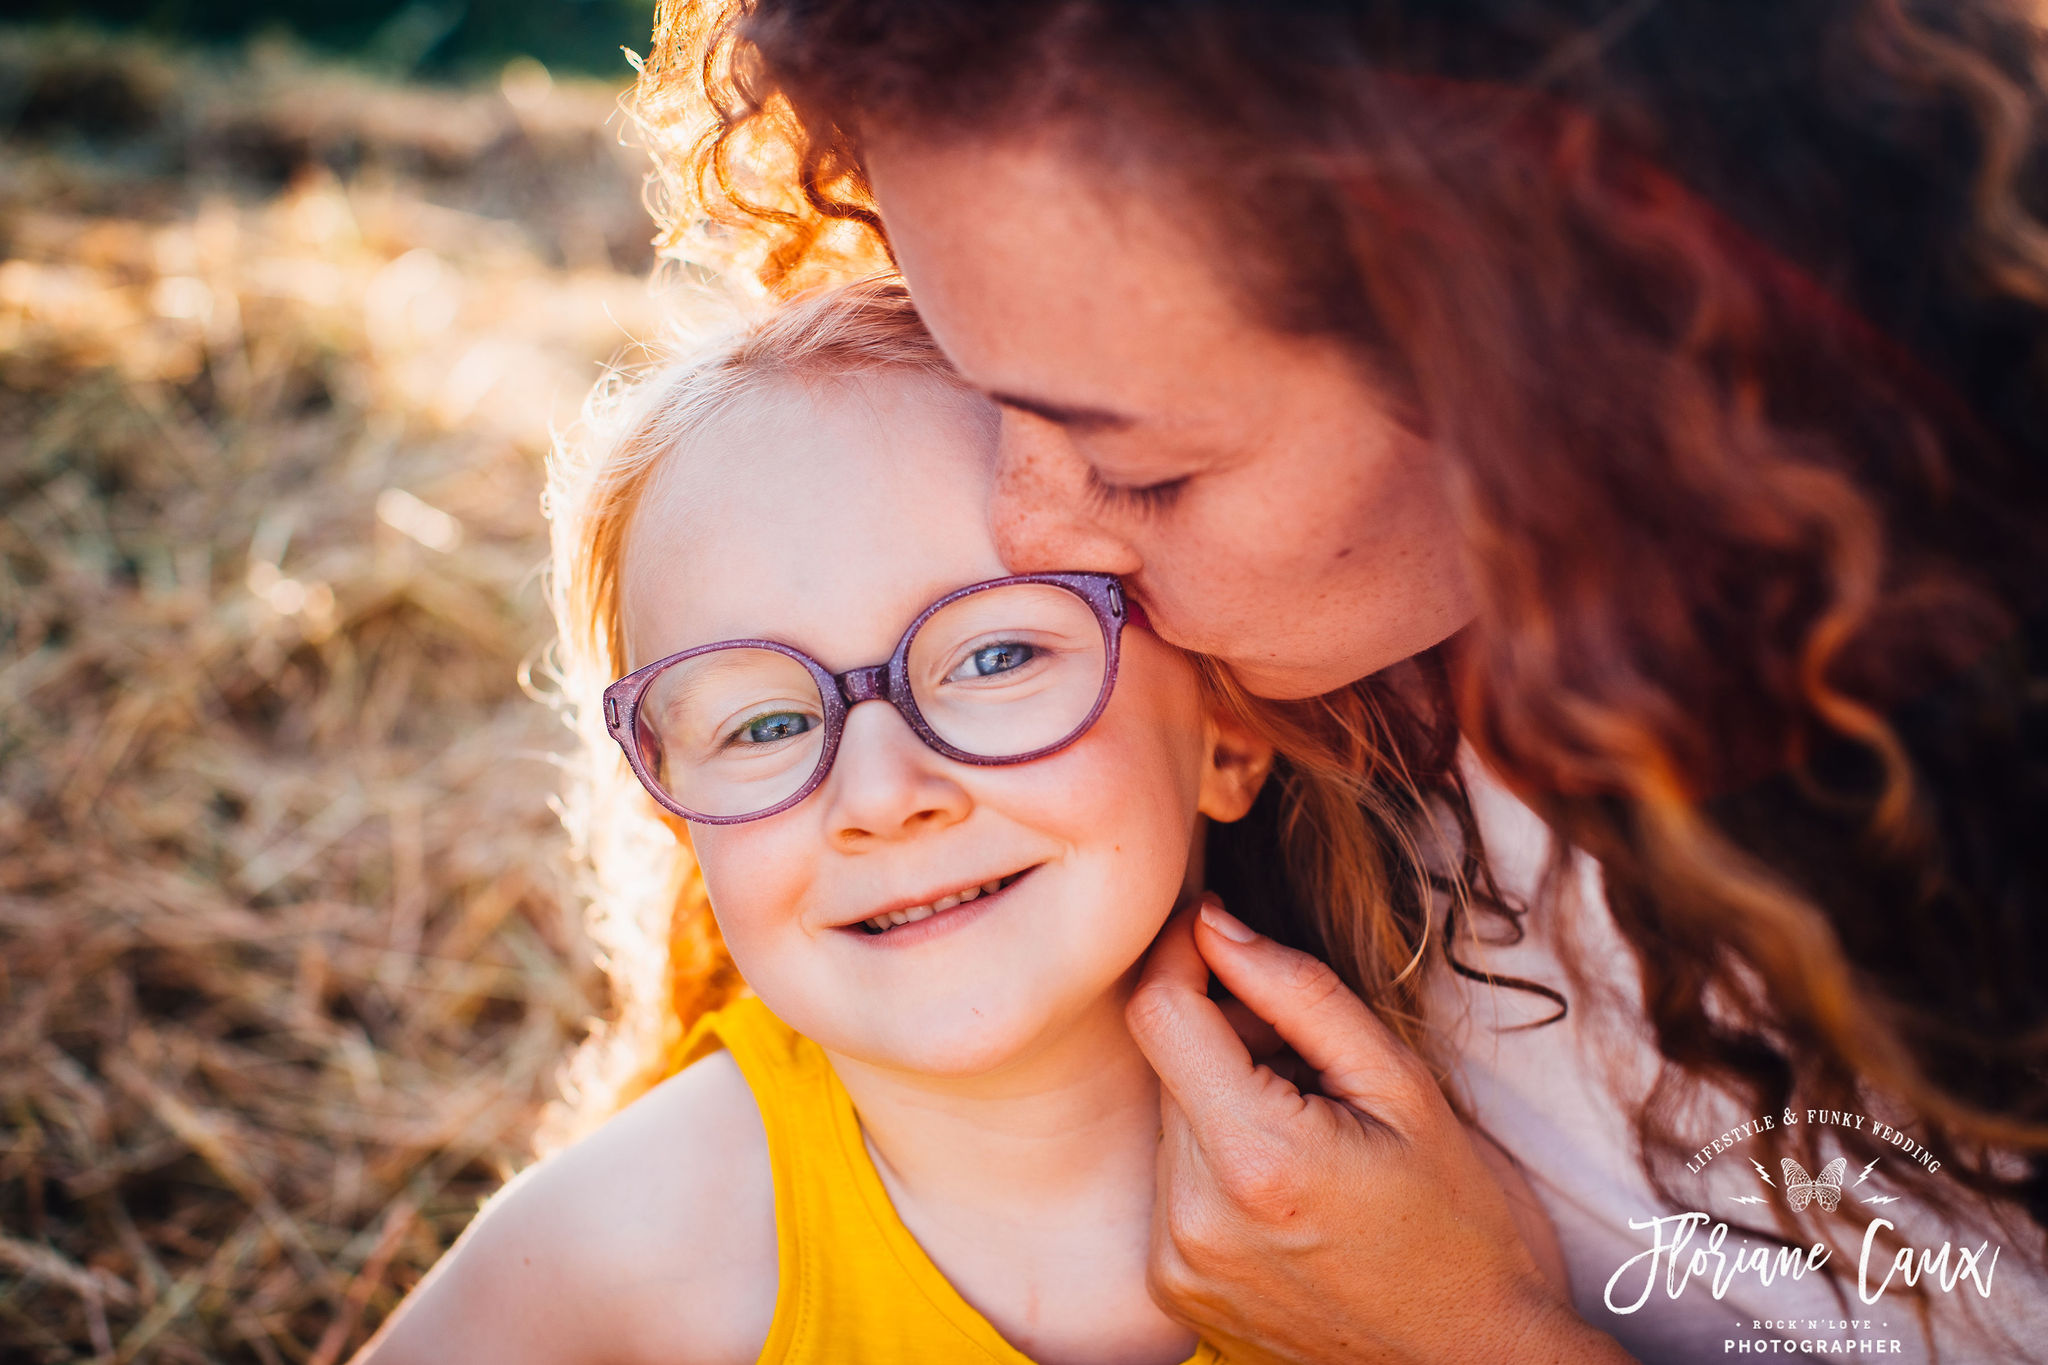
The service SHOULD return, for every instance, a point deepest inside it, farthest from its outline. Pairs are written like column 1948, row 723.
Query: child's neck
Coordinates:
column 1031, row 1186
column 1057, row 1123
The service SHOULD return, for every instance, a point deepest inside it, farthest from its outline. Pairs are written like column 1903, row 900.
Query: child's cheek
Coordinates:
column 757, row 874
column 1132, row 781
column 1147, row 748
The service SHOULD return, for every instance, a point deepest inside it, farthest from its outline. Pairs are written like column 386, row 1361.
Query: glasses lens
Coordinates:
column 732, row 732
column 1010, row 670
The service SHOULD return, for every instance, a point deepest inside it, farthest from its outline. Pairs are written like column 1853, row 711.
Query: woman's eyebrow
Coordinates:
column 1090, row 419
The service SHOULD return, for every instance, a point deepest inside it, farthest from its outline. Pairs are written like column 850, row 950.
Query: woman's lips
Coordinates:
column 917, row 924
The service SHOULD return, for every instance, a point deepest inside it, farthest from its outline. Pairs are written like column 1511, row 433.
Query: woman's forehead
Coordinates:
column 818, row 515
column 1044, row 277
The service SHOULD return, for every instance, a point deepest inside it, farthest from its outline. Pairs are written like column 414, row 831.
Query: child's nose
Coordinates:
column 885, row 784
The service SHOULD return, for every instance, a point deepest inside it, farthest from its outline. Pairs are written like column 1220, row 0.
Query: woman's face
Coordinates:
column 827, row 519
column 1248, row 484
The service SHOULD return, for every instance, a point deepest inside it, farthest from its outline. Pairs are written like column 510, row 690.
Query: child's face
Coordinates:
column 826, row 519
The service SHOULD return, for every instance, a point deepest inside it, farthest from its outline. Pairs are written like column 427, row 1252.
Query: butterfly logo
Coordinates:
column 1825, row 1191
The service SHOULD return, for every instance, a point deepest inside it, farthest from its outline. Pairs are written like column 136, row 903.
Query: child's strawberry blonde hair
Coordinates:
column 1307, row 865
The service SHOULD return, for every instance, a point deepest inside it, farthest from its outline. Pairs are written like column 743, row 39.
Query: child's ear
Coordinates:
column 1233, row 770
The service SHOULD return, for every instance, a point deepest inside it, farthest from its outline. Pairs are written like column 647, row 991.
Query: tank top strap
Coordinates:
column 855, row 1286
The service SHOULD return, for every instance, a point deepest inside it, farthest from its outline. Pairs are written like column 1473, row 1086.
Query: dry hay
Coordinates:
column 288, row 957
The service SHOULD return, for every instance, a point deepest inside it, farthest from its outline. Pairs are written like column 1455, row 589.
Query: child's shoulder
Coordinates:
column 651, row 1239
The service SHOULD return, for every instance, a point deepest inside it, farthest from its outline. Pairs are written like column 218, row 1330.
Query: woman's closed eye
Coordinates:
column 1139, row 499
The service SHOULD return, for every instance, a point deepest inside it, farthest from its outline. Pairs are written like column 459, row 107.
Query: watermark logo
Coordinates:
column 1690, row 1252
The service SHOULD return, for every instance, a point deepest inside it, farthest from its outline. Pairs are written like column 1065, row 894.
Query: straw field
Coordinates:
column 289, row 949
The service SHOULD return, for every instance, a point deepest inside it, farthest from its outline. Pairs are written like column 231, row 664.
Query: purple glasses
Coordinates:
column 1001, row 672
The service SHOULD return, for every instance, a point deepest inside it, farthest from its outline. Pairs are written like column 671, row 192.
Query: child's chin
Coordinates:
column 956, row 1044
column 973, row 1049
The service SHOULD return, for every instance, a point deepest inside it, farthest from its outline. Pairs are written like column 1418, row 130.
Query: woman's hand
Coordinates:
column 1359, row 1224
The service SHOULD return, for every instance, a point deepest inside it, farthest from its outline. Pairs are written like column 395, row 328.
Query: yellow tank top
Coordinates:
column 855, row 1287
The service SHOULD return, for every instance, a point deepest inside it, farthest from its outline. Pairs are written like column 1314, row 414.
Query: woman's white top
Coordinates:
column 1560, row 1098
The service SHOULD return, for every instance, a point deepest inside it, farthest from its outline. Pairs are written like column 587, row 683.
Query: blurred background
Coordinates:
column 291, row 299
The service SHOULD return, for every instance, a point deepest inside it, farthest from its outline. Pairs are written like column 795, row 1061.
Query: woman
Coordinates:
column 1647, row 398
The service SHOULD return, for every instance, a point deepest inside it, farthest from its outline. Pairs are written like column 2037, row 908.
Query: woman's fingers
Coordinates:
column 1357, row 1060
column 1235, row 1106
column 1246, row 1127
column 1260, row 1038
column 1202, row 1063
column 1178, row 964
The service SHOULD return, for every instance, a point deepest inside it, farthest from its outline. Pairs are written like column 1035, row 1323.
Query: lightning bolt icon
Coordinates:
column 1747, row 1199
column 1866, row 1170
column 1764, row 1173
column 1881, row 1198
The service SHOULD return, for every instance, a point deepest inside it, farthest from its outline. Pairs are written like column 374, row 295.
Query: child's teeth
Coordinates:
column 918, row 912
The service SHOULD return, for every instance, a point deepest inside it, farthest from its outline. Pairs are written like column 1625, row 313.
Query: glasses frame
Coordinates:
column 888, row 681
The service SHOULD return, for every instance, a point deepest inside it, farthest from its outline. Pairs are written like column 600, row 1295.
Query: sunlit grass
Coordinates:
column 288, row 957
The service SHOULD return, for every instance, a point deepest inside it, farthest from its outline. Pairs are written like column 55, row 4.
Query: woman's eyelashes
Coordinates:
column 1137, row 499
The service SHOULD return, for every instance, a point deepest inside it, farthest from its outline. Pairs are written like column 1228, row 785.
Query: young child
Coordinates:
column 928, row 1136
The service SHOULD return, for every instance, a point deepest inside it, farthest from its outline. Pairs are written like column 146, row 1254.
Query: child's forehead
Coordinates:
column 834, row 433
column 808, row 502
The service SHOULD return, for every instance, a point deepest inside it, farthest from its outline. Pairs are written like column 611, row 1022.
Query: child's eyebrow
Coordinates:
column 1090, row 419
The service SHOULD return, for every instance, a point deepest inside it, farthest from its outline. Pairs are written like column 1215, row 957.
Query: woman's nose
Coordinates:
column 886, row 784
column 1040, row 510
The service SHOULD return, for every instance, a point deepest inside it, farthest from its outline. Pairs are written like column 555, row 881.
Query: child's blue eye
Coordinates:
column 781, row 725
column 1000, row 658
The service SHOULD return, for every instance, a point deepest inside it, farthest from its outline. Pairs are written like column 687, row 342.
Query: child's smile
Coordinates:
column 982, row 895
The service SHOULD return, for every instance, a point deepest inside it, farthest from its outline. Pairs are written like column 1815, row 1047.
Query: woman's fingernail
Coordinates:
column 1223, row 922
